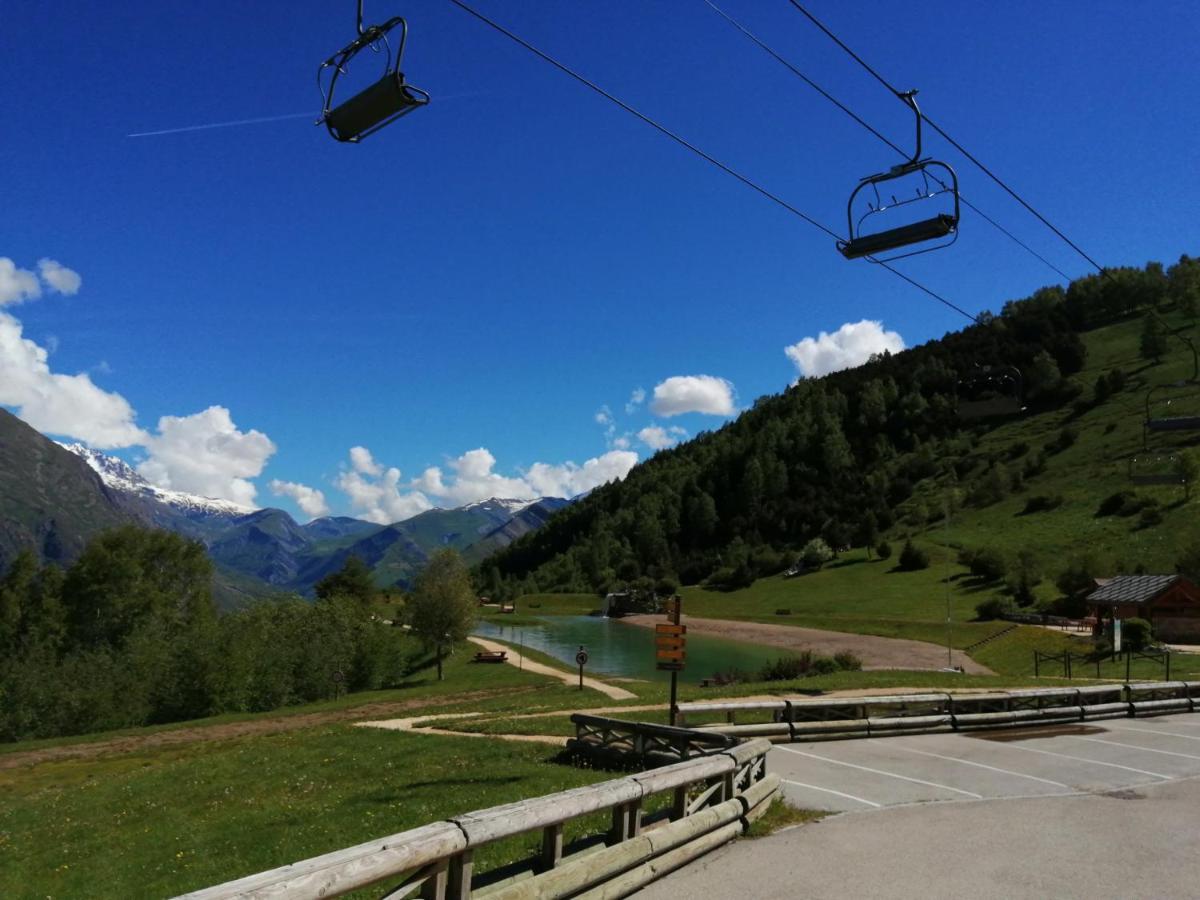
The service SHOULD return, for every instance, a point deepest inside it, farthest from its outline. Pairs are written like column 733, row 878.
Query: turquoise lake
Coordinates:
column 616, row 648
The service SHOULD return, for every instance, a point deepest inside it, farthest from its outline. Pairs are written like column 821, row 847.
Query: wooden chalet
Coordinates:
column 1170, row 603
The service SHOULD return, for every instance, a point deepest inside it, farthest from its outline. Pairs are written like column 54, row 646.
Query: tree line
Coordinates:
column 129, row 635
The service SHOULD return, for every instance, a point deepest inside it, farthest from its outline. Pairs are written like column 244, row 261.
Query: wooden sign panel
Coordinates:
column 667, row 628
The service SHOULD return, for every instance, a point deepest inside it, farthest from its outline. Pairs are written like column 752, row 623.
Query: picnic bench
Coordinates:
column 491, row 656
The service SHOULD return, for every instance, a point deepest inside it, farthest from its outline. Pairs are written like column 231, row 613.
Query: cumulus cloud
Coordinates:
column 69, row 405
column 636, row 399
column 375, row 493
column 603, row 415
column 472, row 477
column 206, row 454
column 681, row 394
column 309, row 499
column 657, row 438
column 568, row 479
column 849, row 346
column 364, row 463
column 17, row 285
column 59, row 278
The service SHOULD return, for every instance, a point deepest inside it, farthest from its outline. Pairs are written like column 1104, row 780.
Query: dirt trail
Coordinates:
column 515, row 659
column 875, row 652
column 225, row 730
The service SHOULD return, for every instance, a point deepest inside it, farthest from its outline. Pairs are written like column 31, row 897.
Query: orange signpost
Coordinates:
column 670, row 647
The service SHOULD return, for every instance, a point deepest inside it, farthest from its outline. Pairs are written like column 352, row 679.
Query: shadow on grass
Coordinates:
column 446, row 782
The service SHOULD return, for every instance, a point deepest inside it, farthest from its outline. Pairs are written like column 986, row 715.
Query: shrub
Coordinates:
column 1122, row 503
column 847, row 661
column 992, row 608
column 1135, row 634
column 815, row 554
column 823, row 665
column 987, row 564
column 883, row 550
column 913, row 558
column 787, row 668
column 783, row 612
column 1042, row 503
column 1151, row 515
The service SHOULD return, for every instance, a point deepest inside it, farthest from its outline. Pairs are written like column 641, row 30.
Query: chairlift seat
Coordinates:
column 367, row 111
column 1156, row 478
column 1174, row 423
column 885, row 241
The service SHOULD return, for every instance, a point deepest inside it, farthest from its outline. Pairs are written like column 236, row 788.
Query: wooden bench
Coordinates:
column 491, row 656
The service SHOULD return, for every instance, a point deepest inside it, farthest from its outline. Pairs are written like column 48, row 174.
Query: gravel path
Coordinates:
column 515, row 659
column 875, row 652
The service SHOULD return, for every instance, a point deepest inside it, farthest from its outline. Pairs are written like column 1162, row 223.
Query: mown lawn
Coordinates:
column 174, row 819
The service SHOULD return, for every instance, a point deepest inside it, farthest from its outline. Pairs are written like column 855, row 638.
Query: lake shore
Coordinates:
column 875, row 652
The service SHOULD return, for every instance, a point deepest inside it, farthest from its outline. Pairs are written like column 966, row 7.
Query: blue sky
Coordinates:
column 497, row 268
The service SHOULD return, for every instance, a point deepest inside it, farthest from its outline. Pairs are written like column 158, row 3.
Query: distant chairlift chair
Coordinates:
column 991, row 393
column 932, row 179
column 1168, row 419
column 1151, row 470
column 383, row 102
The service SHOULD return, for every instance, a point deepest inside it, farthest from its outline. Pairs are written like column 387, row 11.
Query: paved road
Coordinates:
column 1111, row 809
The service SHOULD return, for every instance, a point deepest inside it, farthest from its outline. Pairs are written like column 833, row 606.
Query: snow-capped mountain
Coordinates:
column 121, row 476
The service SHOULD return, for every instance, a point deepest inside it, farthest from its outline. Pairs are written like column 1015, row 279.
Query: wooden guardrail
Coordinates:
column 641, row 741
column 712, row 799
column 809, row 719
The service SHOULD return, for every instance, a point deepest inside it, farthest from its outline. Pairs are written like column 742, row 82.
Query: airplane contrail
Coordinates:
column 315, row 116
column 304, row 115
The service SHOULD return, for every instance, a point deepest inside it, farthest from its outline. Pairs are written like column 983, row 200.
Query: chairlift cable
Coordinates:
column 562, row 67
column 857, row 118
column 901, row 95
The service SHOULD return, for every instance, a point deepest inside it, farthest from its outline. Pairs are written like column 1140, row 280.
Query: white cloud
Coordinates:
column 17, row 285
column 604, row 416
column 375, row 493
column 568, row 479
column 681, row 394
column 69, row 405
column 621, row 443
column 59, row 278
column 472, row 477
column 309, row 499
column 636, row 399
column 849, row 346
column 206, row 454
column 364, row 463
column 657, row 438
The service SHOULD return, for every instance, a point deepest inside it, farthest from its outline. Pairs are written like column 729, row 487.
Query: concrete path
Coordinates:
column 515, row 659
column 1017, row 813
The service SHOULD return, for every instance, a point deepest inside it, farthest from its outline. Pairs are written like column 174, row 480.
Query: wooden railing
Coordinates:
column 712, row 798
column 642, row 741
column 806, row 719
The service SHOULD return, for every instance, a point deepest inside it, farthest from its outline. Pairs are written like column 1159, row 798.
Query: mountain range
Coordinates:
column 55, row 497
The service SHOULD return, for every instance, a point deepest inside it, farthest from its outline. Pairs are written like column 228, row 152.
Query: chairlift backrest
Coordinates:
column 991, row 393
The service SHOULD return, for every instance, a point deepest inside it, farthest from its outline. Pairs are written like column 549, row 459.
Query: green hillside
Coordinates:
column 879, row 453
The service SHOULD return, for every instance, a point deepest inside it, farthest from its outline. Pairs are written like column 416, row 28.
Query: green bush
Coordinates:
column 987, row 564
column 1042, row 503
column 1135, row 634
column 815, row 554
column 1151, row 515
column 992, row 608
column 1122, row 503
column 883, row 550
column 913, row 558
column 847, row 661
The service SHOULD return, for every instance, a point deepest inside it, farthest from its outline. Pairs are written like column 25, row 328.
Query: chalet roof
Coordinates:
column 1132, row 588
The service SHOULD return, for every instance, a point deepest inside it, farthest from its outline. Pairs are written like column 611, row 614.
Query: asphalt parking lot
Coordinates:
column 1038, row 812
column 1094, row 757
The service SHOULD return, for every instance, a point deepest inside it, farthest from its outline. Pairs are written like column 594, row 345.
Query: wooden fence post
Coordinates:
column 434, row 887
column 459, row 887
column 552, row 844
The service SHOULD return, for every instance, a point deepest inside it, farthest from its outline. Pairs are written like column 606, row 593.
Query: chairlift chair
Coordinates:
column 1151, row 470
column 383, row 102
column 991, row 393
column 1165, row 420
column 933, row 179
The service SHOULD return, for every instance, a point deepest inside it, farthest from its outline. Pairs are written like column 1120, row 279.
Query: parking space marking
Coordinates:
column 1133, row 747
column 838, row 762
column 1094, row 762
column 1174, row 734
column 979, row 765
column 813, row 787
